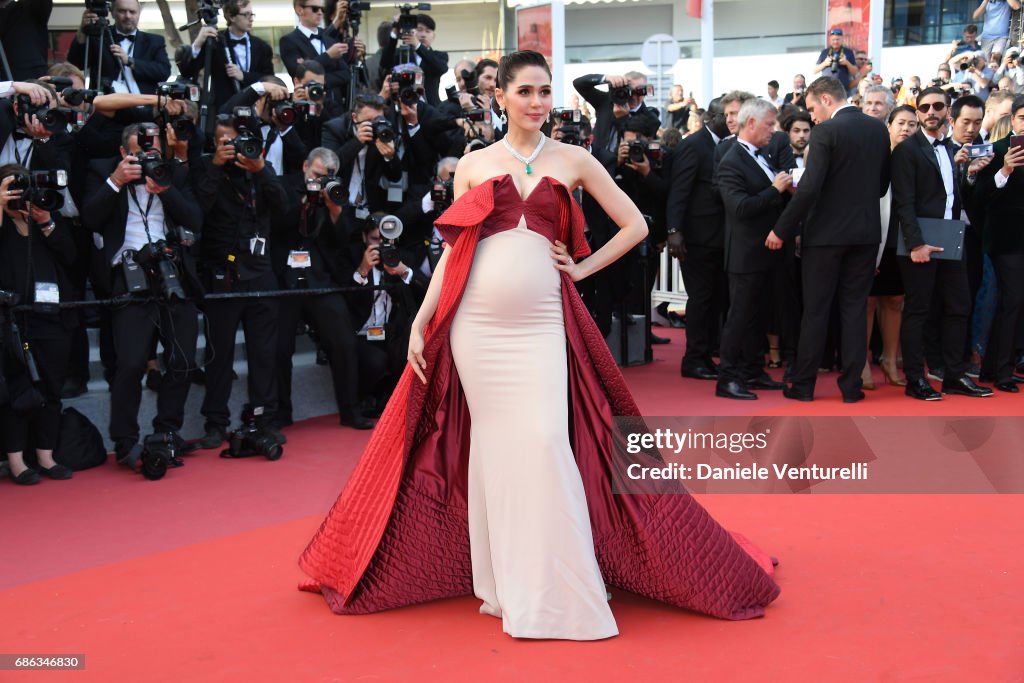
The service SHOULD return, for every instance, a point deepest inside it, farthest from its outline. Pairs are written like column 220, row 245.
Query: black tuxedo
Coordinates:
column 339, row 137
column 695, row 210
column 149, row 52
column 752, row 205
column 607, row 125
column 261, row 64
column 23, row 32
column 296, row 45
column 778, row 152
column 837, row 204
column 433, row 62
column 918, row 191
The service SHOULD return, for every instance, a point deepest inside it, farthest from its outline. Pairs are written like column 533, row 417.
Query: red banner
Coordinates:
column 852, row 16
column 693, row 8
column 533, row 26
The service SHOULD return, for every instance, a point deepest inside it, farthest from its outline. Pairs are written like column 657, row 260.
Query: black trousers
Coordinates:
column 329, row 317
column 135, row 327
column 1010, row 295
column 259, row 318
column 785, row 302
column 41, row 427
column 706, row 296
column 828, row 272
column 743, row 336
column 974, row 262
column 923, row 282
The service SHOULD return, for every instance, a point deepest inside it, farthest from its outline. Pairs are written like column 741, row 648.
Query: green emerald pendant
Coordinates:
column 529, row 170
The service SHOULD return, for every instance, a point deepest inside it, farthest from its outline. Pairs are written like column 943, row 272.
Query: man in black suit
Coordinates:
column 283, row 145
column 696, row 231
column 24, row 37
column 132, row 61
column 1001, row 187
column 925, row 185
column 308, row 42
column 129, row 215
column 433, row 62
column 612, row 112
column 238, row 58
column 754, row 195
column 837, row 202
column 27, row 142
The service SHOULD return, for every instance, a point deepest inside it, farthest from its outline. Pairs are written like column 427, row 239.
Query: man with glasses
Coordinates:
column 238, row 56
column 309, row 43
column 925, row 184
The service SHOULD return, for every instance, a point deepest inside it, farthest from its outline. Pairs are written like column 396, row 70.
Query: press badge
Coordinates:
column 47, row 293
column 257, row 245
column 375, row 333
column 298, row 259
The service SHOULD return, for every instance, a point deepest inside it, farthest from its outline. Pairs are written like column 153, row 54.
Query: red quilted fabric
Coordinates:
column 398, row 533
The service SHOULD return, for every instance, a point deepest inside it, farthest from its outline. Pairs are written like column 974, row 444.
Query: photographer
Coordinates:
column 1011, row 68
column 420, row 41
column 973, row 76
column 969, row 42
column 308, row 85
column 35, row 248
column 365, row 144
column 24, row 36
column 132, row 61
column 383, row 316
column 148, row 208
column 241, row 198
column 35, row 135
column 283, row 146
column 308, row 43
column 626, row 95
column 799, row 88
column 420, row 220
column 836, row 60
column 311, row 255
column 238, row 58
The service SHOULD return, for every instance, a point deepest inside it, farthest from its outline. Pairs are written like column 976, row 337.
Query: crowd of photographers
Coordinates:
column 182, row 204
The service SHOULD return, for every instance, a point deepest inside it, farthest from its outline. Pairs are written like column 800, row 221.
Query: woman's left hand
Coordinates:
column 564, row 262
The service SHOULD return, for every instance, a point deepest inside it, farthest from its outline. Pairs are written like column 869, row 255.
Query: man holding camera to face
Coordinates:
column 241, row 198
column 626, row 95
column 146, row 220
column 275, row 120
column 33, row 129
column 312, row 254
column 419, row 38
column 238, row 58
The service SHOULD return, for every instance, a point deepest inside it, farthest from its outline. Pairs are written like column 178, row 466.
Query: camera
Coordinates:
column 245, row 119
column 332, row 185
column 208, row 12
column 252, row 439
column 478, row 115
column 315, row 89
column 101, row 8
column 157, row 259
column 639, row 150
column 390, row 230
column 149, row 157
column 173, row 90
column 248, row 143
column 54, row 119
column 442, row 193
column 382, row 129
column 43, row 189
column 289, row 112
column 621, row 95
column 407, row 21
column 74, row 97
column 409, row 79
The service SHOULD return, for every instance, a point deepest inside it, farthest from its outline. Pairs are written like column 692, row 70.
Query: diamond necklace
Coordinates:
column 526, row 160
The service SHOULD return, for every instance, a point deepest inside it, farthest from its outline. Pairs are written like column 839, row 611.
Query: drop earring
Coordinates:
column 503, row 117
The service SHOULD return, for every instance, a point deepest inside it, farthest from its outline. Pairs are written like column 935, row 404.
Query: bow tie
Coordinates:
column 121, row 37
column 240, row 41
column 939, row 143
column 316, row 36
column 798, row 156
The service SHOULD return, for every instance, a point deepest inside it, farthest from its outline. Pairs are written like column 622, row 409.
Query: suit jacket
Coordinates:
column 261, row 63
column 1005, row 207
column 586, row 86
column 778, row 151
column 433, row 62
column 57, row 152
column 405, row 298
column 917, row 187
column 23, row 32
column 752, row 206
column 295, row 150
column 336, row 71
column 693, row 208
column 105, row 212
column 326, row 241
column 150, row 55
column 847, row 173
column 338, row 136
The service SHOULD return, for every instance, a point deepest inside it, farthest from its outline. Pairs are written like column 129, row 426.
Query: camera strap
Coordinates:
column 144, row 214
column 29, row 148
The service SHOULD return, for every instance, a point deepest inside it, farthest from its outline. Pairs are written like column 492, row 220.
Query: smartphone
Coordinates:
column 979, row 151
column 1016, row 141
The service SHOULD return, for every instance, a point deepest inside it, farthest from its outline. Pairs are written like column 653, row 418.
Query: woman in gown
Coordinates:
column 491, row 469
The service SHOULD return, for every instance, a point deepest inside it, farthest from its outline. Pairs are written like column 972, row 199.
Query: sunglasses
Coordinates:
column 319, row 9
column 928, row 106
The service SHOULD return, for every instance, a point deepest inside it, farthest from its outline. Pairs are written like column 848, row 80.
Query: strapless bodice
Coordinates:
column 540, row 208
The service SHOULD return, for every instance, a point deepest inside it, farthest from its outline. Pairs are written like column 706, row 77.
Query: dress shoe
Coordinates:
column 965, row 386
column 1008, row 386
column 655, row 339
column 699, row 372
column 922, row 390
column 797, row 395
column 28, row 477
column 734, row 390
column 854, row 398
column 764, row 381
column 356, row 420
column 58, row 471
column 938, row 374
column 213, row 438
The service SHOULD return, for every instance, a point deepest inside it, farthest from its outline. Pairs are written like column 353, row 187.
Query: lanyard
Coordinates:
column 144, row 214
column 17, row 154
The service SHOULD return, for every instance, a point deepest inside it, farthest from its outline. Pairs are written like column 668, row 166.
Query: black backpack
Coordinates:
column 80, row 445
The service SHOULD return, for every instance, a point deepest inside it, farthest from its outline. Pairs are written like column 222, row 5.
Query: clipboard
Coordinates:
column 938, row 232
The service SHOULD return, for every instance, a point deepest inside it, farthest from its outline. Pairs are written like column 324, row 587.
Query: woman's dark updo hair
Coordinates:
column 514, row 61
column 901, row 109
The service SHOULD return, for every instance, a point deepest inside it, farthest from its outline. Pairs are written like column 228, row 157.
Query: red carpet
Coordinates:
column 193, row 578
